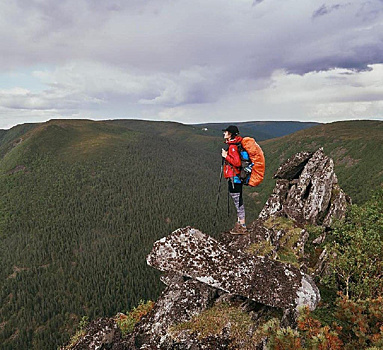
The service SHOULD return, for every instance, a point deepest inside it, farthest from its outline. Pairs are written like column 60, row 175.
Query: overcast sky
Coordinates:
column 191, row 61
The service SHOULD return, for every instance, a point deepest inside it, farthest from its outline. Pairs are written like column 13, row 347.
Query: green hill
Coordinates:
column 82, row 202
column 2, row 133
column 80, row 205
column 17, row 131
column 259, row 130
column 355, row 146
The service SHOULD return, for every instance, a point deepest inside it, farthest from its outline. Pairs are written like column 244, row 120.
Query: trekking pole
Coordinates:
column 228, row 204
column 219, row 191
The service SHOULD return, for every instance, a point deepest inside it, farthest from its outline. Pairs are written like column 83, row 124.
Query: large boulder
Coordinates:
column 307, row 191
column 189, row 252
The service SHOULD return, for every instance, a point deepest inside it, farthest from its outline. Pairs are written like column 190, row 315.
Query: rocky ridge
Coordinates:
column 191, row 253
column 267, row 272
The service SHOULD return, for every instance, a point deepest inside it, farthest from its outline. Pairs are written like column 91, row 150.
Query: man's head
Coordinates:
column 231, row 131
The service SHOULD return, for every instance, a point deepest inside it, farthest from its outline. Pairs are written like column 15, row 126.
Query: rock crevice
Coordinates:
column 307, row 191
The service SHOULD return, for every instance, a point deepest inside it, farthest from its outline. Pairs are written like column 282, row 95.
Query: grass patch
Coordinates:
column 280, row 223
column 79, row 333
column 262, row 248
column 287, row 250
column 290, row 239
column 127, row 322
column 214, row 321
column 287, row 256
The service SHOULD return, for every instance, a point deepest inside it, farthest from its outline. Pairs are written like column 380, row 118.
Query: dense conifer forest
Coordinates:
column 82, row 202
column 81, row 205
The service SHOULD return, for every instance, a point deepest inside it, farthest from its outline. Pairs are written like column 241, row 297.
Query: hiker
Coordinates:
column 231, row 169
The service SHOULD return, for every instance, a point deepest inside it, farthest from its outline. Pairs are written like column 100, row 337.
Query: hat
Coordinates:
column 232, row 129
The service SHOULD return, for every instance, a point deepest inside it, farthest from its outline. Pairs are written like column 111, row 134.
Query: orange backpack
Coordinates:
column 257, row 158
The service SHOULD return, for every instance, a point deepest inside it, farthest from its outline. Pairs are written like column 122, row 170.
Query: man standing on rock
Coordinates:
column 231, row 171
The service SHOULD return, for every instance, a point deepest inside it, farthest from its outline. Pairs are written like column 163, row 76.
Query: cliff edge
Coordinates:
column 236, row 283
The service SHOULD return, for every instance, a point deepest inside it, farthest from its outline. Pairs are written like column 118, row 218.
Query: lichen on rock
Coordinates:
column 100, row 334
column 191, row 253
column 312, row 195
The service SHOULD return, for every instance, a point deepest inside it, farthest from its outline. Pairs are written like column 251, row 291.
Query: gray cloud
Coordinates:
column 256, row 2
column 170, row 36
column 324, row 10
column 169, row 54
column 358, row 58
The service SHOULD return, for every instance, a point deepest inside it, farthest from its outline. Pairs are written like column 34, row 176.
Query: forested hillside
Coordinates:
column 2, row 133
column 355, row 146
column 80, row 206
column 82, row 202
column 7, row 136
column 260, row 130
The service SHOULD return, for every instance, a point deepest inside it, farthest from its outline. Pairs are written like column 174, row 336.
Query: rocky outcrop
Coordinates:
column 98, row 335
column 292, row 168
column 307, row 191
column 264, row 274
column 191, row 253
column 181, row 300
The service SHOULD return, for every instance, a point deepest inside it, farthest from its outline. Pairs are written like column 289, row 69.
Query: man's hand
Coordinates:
column 224, row 153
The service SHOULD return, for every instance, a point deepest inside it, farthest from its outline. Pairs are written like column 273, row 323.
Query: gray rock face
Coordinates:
column 191, row 253
column 275, row 202
column 307, row 191
column 100, row 334
column 338, row 205
column 292, row 168
column 180, row 301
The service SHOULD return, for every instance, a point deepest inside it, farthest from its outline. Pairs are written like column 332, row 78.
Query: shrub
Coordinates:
column 127, row 322
column 315, row 335
column 362, row 322
column 79, row 333
column 356, row 251
column 279, row 338
column 262, row 248
column 359, row 326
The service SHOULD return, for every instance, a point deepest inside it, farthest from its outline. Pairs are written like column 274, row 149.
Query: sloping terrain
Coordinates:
column 80, row 205
column 2, row 133
column 271, row 288
column 7, row 136
column 355, row 146
column 82, row 202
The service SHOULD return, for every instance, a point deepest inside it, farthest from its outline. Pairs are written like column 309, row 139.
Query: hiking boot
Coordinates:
column 238, row 229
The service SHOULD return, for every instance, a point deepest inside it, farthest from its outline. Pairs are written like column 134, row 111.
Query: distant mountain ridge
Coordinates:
column 260, row 130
